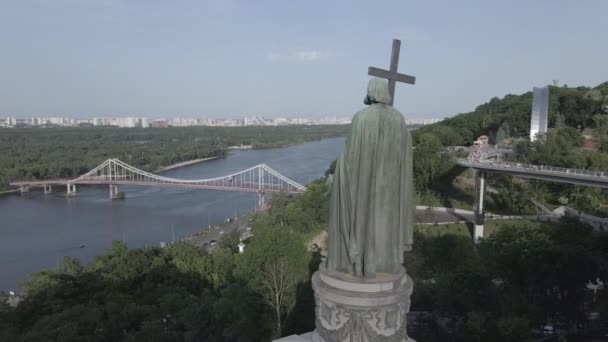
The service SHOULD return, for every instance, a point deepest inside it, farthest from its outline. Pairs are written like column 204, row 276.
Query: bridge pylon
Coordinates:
column 114, row 193
column 71, row 191
column 261, row 200
column 480, row 188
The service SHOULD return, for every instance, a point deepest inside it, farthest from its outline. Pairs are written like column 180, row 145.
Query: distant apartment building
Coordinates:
column 255, row 121
column 128, row 122
column 11, row 121
column 159, row 123
column 57, row 121
column 184, row 122
column 422, row 122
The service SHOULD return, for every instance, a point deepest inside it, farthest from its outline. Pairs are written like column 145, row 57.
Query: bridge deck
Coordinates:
column 259, row 178
column 549, row 173
column 179, row 185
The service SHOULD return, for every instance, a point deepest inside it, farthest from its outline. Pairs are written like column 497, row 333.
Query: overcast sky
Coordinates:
column 231, row 58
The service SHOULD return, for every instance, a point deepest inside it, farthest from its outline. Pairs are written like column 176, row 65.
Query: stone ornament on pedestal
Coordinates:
column 350, row 309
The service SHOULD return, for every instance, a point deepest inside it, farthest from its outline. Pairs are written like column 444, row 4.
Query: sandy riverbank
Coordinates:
column 241, row 147
column 8, row 192
column 185, row 163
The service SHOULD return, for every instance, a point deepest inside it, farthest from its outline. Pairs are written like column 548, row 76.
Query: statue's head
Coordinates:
column 377, row 92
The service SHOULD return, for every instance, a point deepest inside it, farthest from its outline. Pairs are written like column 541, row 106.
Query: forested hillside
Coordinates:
column 568, row 107
column 578, row 117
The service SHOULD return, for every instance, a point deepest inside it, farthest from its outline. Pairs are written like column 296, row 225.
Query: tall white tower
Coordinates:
column 540, row 113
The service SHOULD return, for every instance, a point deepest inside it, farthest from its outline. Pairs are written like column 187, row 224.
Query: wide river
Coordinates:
column 37, row 229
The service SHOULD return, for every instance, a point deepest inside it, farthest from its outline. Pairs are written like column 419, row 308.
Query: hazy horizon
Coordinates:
column 233, row 58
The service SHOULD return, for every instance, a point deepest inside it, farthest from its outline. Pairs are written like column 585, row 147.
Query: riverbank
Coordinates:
column 241, row 147
column 209, row 238
column 185, row 163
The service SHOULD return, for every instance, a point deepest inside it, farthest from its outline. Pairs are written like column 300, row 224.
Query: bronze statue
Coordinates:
column 372, row 195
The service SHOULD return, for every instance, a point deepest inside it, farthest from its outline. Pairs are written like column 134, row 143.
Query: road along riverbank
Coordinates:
column 209, row 238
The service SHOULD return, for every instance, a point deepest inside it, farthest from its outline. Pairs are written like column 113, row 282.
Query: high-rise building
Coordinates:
column 540, row 113
column 159, row 123
column 130, row 122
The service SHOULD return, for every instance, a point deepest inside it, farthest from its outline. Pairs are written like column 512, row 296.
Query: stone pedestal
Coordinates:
column 350, row 309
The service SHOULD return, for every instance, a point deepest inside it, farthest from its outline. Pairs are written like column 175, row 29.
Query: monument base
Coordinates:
column 350, row 309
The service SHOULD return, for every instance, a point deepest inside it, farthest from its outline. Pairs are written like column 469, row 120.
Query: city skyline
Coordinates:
column 233, row 58
column 146, row 122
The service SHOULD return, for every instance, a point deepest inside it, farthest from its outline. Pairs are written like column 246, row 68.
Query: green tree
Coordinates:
column 601, row 131
column 503, row 133
column 427, row 165
column 513, row 329
column 71, row 266
column 230, row 241
column 278, row 287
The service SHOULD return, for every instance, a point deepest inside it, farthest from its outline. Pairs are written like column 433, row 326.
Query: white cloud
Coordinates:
column 309, row 55
column 299, row 54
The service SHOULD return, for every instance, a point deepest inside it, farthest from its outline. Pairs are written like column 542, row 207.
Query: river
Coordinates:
column 37, row 229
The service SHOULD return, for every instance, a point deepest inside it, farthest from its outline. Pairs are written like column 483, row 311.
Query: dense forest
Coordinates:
column 37, row 153
column 523, row 277
column 576, row 115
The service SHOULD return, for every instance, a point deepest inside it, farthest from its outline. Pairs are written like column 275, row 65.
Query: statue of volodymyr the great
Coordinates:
column 372, row 206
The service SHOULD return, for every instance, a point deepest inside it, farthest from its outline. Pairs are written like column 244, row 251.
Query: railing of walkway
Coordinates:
column 543, row 168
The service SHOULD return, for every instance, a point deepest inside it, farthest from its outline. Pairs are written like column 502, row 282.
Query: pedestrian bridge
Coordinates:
column 542, row 172
column 547, row 173
column 260, row 178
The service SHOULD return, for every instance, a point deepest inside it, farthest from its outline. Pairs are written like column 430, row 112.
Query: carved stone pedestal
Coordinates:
column 350, row 309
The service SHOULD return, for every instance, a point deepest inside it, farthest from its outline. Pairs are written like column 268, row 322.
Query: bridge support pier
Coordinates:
column 71, row 189
column 114, row 193
column 480, row 188
column 24, row 188
column 47, row 189
column 261, row 201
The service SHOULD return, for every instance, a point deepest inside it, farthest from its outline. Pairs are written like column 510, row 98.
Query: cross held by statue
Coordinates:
column 392, row 75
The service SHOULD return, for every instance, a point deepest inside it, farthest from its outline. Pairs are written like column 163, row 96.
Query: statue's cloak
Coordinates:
column 372, row 197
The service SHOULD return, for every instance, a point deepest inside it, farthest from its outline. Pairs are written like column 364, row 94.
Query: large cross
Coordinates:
column 392, row 75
